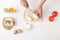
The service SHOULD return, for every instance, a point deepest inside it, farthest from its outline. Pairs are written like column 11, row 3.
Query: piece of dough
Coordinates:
column 28, row 26
column 29, row 15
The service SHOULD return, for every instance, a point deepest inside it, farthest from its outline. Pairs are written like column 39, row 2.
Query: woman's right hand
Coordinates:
column 24, row 3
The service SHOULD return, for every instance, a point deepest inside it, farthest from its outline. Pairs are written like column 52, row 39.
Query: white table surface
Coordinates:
column 43, row 30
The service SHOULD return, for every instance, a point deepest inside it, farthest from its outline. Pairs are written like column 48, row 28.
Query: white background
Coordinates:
column 43, row 30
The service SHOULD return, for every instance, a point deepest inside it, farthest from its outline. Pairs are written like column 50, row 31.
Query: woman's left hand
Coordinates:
column 38, row 11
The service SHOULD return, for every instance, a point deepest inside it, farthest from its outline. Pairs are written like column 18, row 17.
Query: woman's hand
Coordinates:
column 24, row 3
column 38, row 11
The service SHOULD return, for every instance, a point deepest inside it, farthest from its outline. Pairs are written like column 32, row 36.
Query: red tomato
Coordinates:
column 51, row 18
column 55, row 13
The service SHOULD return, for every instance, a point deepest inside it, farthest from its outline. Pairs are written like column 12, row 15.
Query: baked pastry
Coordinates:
column 8, row 22
column 15, row 31
column 18, row 31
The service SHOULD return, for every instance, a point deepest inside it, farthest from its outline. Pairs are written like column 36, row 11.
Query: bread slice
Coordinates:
column 8, row 22
column 29, row 15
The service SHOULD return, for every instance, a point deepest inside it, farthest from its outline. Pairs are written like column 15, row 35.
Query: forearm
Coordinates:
column 24, row 3
column 24, row 0
column 41, row 3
